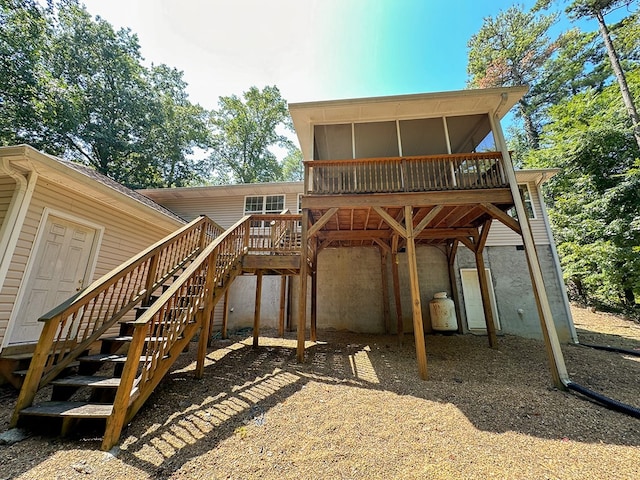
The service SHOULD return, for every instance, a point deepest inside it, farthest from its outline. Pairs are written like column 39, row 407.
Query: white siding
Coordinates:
column 223, row 210
column 7, row 187
column 124, row 236
column 501, row 235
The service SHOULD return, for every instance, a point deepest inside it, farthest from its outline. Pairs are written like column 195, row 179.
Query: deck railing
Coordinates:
column 405, row 174
column 73, row 326
column 275, row 234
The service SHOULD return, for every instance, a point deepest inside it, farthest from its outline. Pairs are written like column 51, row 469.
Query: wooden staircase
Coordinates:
column 103, row 352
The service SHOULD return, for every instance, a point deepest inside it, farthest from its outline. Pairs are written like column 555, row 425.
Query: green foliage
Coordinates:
column 511, row 49
column 23, row 29
column 292, row 167
column 74, row 86
column 245, row 129
column 595, row 200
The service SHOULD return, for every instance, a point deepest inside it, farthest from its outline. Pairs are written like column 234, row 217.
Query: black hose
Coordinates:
column 606, row 401
column 612, row 349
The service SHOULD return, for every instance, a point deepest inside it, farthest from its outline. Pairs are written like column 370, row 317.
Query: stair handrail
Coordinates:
column 171, row 321
column 74, row 325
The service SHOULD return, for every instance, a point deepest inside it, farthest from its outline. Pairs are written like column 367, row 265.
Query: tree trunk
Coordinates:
column 530, row 130
column 622, row 80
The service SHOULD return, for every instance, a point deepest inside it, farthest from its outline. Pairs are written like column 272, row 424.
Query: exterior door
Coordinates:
column 60, row 268
column 473, row 299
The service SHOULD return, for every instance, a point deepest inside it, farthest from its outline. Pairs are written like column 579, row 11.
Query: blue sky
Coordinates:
column 311, row 49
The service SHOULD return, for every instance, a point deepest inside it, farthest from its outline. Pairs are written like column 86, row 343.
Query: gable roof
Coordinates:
column 87, row 181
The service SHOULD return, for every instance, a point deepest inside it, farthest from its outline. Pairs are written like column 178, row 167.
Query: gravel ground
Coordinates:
column 357, row 409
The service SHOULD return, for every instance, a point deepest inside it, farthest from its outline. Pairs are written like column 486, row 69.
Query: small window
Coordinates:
column 525, row 195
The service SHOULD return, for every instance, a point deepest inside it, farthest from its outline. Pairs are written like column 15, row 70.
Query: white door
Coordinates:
column 60, row 268
column 473, row 299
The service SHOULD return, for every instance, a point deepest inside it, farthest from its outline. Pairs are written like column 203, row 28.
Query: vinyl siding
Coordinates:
column 501, row 235
column 124, row 236
column 223, row 210
column 7, row 187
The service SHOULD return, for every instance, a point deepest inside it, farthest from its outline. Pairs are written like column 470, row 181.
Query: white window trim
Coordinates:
column 263, row 211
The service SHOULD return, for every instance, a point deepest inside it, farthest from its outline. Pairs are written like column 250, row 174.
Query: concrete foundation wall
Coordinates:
column 350, row 291
column 514, row 292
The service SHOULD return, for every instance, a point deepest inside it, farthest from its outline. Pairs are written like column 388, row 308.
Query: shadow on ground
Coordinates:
column 502, row 390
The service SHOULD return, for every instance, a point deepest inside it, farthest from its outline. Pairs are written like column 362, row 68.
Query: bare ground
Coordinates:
column 357, row 409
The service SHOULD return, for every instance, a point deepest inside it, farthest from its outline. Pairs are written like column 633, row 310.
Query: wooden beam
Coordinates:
column 486, row 300
column 271, row 262
column 484, row 234
column 453, row 197
column 391, row 221
column 468, row 243
column 396, row 290
column 425, row 221
column 418, row 327
column 256, row 315
column 322, row 221
column 498, row 214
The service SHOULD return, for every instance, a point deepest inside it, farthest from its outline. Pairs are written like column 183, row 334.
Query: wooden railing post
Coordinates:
column 38, row 361
column 118, row 416
column 307, row 178
column 206, row 313
column 151, row 278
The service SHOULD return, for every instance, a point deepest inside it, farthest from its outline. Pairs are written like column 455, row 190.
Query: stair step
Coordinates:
column 104, row 358
column 107, row 358
column 87, row 381
column 128, row 338
column 69, row 409
column 23, row 373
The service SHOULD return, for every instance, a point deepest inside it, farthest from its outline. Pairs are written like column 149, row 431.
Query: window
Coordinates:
column 263, row 204
column 525, row 195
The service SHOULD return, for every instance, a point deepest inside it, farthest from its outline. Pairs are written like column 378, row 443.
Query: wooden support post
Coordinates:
column 256, row 315
column 396, row 290
column 314, row 304
column 451, row 258
column 302, row 298
column 386, row 315
column 484, row 285
column 283, row 304
column 289, row 302
column 552, row 343
column 205, row 315
column 486, row 300
column 225, row 315
column 418, row 328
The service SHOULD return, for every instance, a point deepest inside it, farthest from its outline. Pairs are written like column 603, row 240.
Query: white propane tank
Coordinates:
column 443, row 313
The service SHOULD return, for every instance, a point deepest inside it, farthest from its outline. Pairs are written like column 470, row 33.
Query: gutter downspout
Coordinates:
column 556, row 261
column 14, row 219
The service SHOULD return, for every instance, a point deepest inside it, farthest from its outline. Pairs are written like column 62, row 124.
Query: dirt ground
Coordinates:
column 357, row 409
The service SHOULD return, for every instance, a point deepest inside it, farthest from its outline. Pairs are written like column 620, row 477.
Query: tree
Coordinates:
column 595, row 200
column 292, row 167
column 597, row 9
column 103, row 105
column 244, row 130
column 181, row 128
column 511, row 50
column 23, row 29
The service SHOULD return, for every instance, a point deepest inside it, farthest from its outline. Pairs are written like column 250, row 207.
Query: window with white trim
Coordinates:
column 257, row 204
column 527, row 201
